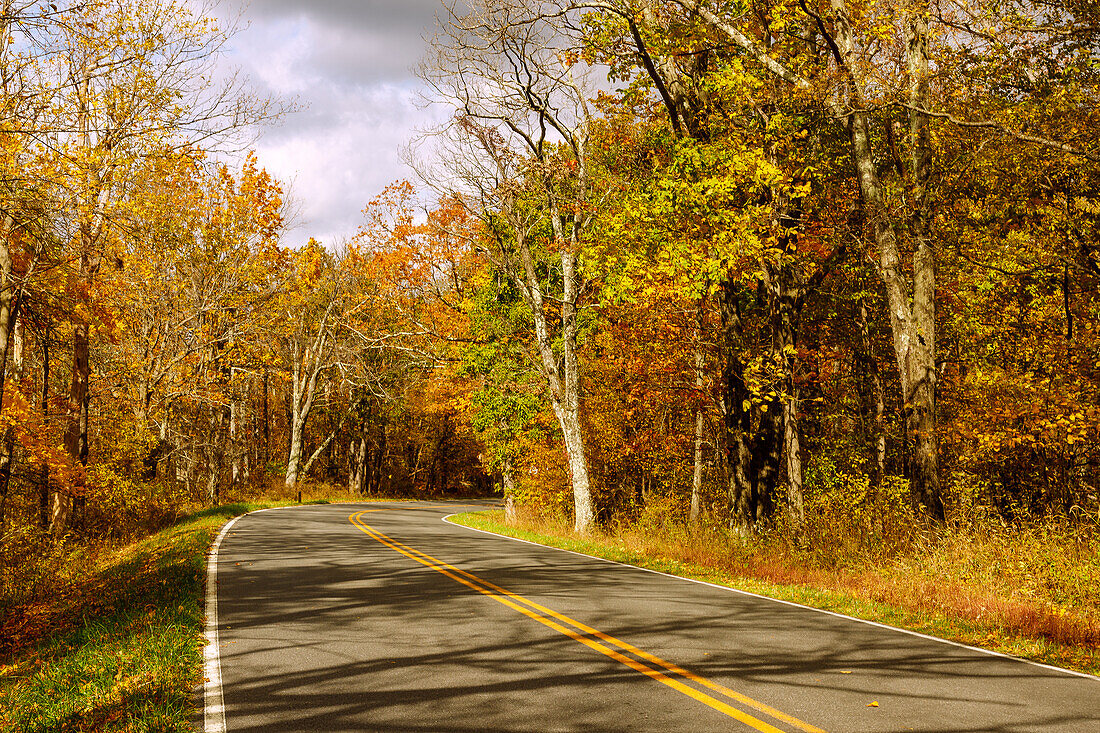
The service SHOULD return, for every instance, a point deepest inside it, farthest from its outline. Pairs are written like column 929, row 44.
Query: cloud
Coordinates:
column 347, row 64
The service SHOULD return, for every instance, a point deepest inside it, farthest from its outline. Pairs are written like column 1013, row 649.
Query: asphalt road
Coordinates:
column 360, row 617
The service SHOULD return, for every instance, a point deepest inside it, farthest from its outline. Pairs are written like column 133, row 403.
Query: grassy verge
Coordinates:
column 120, row 648
column 905, row 599
column 100, row 636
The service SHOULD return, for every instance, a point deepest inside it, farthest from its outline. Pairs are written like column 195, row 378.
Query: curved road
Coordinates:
column 357, row 617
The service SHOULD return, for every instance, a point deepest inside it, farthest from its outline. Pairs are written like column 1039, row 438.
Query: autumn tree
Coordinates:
column 192, row 296
column 731, row 208
column 134, row 81
column 311, row 313
column 520, row 155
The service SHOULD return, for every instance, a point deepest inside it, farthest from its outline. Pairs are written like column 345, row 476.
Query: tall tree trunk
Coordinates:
column 297, row 413
column 357, row 476
column 767, row 454
column 316, row 453
column 234, row 454
column 294, row 456
column 700, row 365
column 215, row 453
column 380, row 456
column 737, row 416
column 76, row 435
column 79, row 397
column 266, row 419
column 563, row 380
column 8, row 289
column 912, row 319
column 90, row 229
column 213, row 469
column 15, row 345
column 872, row 398
column 568, row 408
column 792, row 450
column 308, row 363
column 921, row 403
column 44, row 407
column 786, row 290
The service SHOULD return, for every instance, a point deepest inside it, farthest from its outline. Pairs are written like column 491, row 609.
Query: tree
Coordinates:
column 134, row 82
column 521, row 164
column 738, row 174
column 315, row 302
column 190, row 295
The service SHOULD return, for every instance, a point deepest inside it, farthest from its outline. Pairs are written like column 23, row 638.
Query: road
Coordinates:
column 383, row 617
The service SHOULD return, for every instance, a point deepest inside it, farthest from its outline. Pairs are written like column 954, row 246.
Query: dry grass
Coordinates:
column 1031, row 590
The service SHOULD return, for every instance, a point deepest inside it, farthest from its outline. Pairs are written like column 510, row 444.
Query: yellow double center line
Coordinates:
column 648, row 664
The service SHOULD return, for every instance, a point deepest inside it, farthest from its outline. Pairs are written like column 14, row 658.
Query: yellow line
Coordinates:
column 512, row 600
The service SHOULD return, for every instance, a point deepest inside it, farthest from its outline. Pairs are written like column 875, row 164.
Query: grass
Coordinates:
column 959, row 588
column 116, row 646
column 108, row 637
column 120, row 649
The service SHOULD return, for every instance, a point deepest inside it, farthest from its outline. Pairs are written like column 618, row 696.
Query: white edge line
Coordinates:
column 214, row 706
column 917, row 634
column 213, row 701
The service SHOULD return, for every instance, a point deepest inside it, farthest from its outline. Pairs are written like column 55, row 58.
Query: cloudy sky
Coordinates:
column 348, row 65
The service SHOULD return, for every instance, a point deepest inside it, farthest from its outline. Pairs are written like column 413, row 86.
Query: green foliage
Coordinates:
column 849, row 522
column 685, row 223
column 508, row 405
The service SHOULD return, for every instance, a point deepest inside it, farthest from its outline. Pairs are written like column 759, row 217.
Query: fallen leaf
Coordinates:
column 873, row 704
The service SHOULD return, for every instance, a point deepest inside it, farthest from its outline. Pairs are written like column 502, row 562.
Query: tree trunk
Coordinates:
column 564, row 380
column 76, row 436
column 308, row 363
column 737, row 416
column 8, row 300
column 90, row 229
column 319, row 451
column 234, row 455
column 298, row 412
column 294, row 456
column 509, row 486
column 569, row 408
column 767, row 453
column 700, row 364
column 44, row 406
column 266, row 456
column 912, row 321
column 792, row 450
column 786, row 293
column 697, row 470
column 872, row 398
column 212, row 483
column 215, row 453
column 921, row 403
column 15, row 345
column 357, row 476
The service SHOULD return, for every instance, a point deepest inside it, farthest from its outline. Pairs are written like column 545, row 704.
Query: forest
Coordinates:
column 809, row 267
